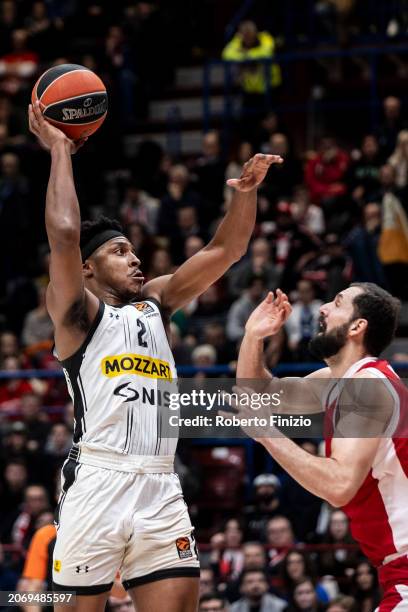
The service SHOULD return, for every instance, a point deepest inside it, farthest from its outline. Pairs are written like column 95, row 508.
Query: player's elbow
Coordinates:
column 62, row 233
column 341, row 494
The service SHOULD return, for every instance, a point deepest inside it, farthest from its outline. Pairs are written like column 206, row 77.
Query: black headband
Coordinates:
column 98, row 240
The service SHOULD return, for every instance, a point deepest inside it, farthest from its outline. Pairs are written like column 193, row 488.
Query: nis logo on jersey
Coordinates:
column 129, row 363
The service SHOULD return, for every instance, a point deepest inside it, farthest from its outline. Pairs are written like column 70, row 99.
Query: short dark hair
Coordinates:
column 89, row 229
column 381, row 311
column 246, row 572
column 211, row 596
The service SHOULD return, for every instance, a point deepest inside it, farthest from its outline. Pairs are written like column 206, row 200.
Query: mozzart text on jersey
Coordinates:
column 130, row 363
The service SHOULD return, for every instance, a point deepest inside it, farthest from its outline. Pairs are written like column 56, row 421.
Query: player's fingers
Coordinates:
column 37, row 112
column 268, row 159
column 287, row 308
column 233, row 182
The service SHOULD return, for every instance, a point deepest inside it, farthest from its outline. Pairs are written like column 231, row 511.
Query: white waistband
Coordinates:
column 105, row 458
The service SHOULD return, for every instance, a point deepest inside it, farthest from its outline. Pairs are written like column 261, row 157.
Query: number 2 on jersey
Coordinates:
column 141, row 334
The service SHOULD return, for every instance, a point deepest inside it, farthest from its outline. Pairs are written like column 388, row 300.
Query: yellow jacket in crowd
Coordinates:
column 253, row 75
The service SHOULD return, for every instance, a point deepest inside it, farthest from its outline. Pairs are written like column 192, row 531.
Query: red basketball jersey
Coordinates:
column 378, row 511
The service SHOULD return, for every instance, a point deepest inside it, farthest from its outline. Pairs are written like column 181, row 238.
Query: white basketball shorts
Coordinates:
column 121, row 513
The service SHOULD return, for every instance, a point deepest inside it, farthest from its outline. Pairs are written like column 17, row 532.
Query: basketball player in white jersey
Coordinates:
column 366, row 476
column 121, row 505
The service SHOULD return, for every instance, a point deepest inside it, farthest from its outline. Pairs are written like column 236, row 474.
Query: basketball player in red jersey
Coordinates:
column 366, row 476
column 121, row 504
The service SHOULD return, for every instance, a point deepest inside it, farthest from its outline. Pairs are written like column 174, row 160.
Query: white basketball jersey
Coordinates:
column 116, row 381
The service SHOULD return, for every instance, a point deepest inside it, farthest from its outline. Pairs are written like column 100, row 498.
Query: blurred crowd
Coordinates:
column 326, row 217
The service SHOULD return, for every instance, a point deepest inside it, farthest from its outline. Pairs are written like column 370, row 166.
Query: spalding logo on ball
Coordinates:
column 73, row 98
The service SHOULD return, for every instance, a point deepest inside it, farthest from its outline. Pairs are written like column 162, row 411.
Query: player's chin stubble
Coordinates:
column 327, row 344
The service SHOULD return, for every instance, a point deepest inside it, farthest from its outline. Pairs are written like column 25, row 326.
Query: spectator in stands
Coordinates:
column 294, row 496
column 208, row 308
column 211, row 602
column 8, row 346
column 280, row 181
column 209, row 172
column 59, row 442
column 279, row 538
column 207, row 581
column 179, row 194
column 19, row 65
column 250, row 44
column 362, row 245
column 141, row 240
column 45, row 33
column 234, row 168
column 14, row 218
column 8, row 22
column 204, row 356
column 399, row 160
column 226, row 557
column 292, row 246
column 180, row 349
column 35, row 501
column 332, row 269
column 393, row 243
column 13, row 483
column 305, row 598
column 14, row 118
column 308, row 216
column 8, row 577
column 38, row 326
column 258, row 262
column 295, row 568
column 266, row 505
column 35, row 420
column 341, row 603
column 160, row 264
column 393, row 123
column 388, row 185
column 12, row 389
column 365, row 587
column 254, row 559
column 192, row 245
column 243, row 306
column 254, row 591
column 139, row 207
column 341, row 561
column 325, row 173
column 303, row 323
column 214, row 334
column 363, row 174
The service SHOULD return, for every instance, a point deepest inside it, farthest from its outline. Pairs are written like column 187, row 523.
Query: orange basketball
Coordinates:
column 72, row 98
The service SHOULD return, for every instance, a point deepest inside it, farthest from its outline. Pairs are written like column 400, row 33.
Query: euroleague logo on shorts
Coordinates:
column 184, row 548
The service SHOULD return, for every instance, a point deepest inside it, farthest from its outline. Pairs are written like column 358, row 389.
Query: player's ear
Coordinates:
column 87, row 269
column 358, row 326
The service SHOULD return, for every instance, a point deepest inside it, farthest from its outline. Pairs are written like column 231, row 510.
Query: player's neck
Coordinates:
column 105, row 294
column 345, row 358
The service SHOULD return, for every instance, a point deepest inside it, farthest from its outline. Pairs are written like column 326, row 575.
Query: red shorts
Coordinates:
column 393, row 579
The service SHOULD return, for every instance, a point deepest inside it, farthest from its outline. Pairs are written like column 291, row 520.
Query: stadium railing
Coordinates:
column 313, row 104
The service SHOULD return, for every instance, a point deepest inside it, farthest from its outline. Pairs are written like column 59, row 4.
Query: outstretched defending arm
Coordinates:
column 71, row 307
column 228, row 245
column 300, row 395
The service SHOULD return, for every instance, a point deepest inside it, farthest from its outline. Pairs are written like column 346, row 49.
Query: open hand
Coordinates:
column 271, row 314
column 47, row 134
column 254, row 172
column 253, row 409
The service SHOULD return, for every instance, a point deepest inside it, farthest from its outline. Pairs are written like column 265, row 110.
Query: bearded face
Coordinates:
column 327, row 344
